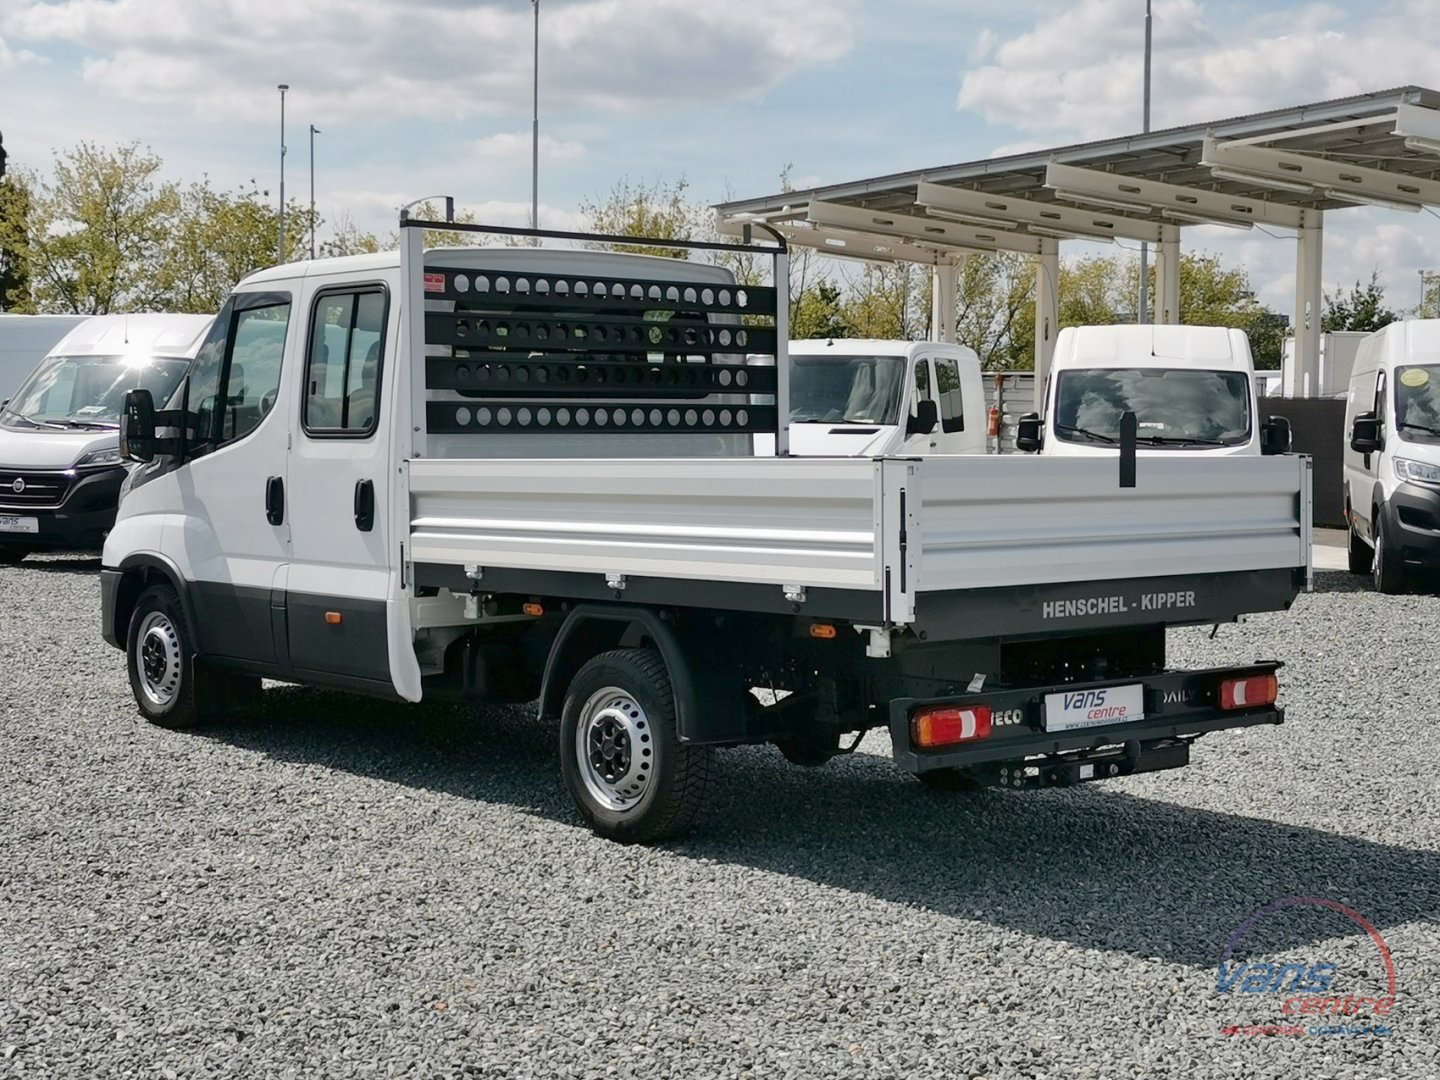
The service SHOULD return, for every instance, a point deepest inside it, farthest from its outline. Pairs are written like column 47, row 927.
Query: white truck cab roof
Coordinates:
column 1216, row 348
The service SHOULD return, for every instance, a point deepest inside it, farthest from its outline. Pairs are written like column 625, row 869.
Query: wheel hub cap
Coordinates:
column 158, row 659
column 614, row 748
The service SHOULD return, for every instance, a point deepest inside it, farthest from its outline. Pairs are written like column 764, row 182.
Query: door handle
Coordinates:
column 364, row 505
column 275, row 500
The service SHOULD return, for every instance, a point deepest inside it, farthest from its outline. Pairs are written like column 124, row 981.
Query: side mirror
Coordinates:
column 1029, row 437
column 1365, row 434
column 1275, row 436
column 925, row 420
column 137, row 426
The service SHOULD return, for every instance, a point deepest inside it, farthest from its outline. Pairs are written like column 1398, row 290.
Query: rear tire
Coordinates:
column 1388, row 571
column 1361, row 557
column 629, row 774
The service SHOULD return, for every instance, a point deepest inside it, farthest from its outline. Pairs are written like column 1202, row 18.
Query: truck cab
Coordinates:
column 1192, row 389
column 60, row 466
column 864, row 397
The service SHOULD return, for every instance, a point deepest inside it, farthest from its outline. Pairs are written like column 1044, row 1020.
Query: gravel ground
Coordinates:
column 338, row 888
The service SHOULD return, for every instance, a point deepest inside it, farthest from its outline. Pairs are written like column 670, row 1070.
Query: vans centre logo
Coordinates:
column 1310, row 996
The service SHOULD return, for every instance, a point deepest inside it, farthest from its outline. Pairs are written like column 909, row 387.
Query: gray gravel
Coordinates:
column 338, row 888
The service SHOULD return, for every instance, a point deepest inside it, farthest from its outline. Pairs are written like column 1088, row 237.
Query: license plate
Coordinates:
column 1074, row 709
column 13, row 524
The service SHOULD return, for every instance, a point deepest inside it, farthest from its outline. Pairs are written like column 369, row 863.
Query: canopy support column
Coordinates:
column 1047, row 313
column 1309, row 243
column 1167, row 276
column 943, row 279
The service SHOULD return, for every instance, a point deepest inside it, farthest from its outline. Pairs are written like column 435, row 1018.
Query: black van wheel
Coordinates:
column 10, row 554
column 1388, row 572
column 629, row 774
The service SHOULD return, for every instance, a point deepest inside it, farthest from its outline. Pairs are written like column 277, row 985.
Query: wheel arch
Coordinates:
column 592, row 629
column 138, row 573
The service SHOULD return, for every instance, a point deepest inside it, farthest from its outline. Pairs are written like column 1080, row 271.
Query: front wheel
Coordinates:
column 10, row 554
column 1388, row 571
column 631, row 777
column 1359, row 552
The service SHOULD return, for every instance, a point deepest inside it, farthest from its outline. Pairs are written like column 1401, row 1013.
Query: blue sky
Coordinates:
column 415, row 97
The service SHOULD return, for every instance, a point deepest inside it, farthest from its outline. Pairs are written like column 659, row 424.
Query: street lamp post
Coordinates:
column 1144, row 304
column 280, row 242
column 535, row 131
column 313, row 132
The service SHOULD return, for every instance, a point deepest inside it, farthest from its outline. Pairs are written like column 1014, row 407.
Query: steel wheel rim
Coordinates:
column 158, row 659
column 615, row 749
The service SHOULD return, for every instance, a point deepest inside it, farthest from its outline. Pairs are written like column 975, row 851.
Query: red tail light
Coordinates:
column 1249, row 693
column 945, row 725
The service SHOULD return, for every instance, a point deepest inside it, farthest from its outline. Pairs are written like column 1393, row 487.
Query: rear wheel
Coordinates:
column 1388, row 571
column 631, row 777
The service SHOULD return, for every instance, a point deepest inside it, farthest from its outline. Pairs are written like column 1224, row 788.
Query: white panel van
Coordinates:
column 1392, row 455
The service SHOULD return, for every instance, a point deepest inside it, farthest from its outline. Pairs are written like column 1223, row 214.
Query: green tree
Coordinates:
column 820, row 313
column 14, row 246
column 889, row 301
column 657, row 210
column 97, row 231
column 994, row 306
column 1362, row 308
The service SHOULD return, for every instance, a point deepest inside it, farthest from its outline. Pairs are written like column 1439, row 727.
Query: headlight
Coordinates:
column 1406, row 469
column 99, row 458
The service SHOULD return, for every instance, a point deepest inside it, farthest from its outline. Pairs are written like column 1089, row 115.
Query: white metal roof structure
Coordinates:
column 1282, row 169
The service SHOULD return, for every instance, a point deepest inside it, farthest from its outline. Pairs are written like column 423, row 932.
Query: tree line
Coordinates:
column 103, row 232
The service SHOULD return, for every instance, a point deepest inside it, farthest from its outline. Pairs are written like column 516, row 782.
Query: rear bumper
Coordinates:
column 82, row 519
column 1179, row 707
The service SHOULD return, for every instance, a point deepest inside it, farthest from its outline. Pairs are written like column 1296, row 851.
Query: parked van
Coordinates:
column 866, row 397
column 1392, row 460
column 25, row 340
column 1192, row 389
column 60, row 467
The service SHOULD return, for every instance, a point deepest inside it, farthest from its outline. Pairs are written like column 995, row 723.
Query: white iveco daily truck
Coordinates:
column 510, row 474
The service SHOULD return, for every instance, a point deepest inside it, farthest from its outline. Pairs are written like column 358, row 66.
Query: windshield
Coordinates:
column 89, row 391
column 1417, row 402
column 846, row 389
column 1173, row 406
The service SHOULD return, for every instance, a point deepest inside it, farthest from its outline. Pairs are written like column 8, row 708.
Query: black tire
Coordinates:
column 948, row 780
column 10, row 554
column 172, row 689
column 1359, row 552
column 1388, row 572
column 621, row 703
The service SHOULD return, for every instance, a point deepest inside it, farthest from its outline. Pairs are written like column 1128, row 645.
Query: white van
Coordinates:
column 869, row 397
column 60, row 467
column 1192, row 389
column 1392, row 456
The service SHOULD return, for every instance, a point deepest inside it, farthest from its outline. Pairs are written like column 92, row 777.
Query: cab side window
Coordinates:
column 342, row 366
column 947, row 385
column 236, row 375
column 1380, row 409
column 922, row 382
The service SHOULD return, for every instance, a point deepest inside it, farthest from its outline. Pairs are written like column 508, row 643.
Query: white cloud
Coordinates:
column 398, row 58
column 512, row 148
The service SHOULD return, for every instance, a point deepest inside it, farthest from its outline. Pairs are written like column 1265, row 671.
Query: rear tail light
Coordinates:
column 945, row 725
column 1248, row 693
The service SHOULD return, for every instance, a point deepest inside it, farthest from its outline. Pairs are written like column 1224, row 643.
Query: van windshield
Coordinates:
column 1417, row 402
column 846, row 389
column 89, row 391
column 1176, row 407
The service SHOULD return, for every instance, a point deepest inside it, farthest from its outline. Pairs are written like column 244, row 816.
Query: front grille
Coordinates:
column 36, row 489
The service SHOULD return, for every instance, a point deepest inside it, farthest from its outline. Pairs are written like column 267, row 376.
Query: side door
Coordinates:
column 922, row 389
column 341, row 562
column 949, row 393
column 231, row 537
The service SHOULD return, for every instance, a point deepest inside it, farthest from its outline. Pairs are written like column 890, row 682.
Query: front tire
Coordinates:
column 172, row 688
column 1388, row 571
column 1361, row 557
column 629, row 774
column 10, row 554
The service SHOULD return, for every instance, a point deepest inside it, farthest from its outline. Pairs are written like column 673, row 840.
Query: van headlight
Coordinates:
column 100, row 458
column 1417, row 471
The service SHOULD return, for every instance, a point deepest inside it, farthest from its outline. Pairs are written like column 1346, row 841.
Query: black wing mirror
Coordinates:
column 1029, row 434
column 1275, row 436
column 137, row 427
column 925, row 420
column 1365, row 434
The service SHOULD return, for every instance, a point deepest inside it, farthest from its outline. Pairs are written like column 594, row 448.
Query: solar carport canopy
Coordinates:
column 1281, row 170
